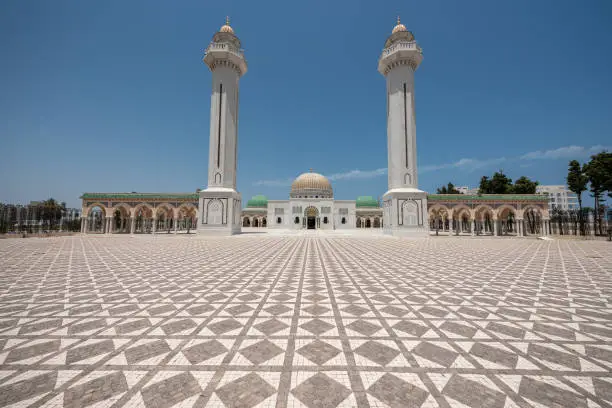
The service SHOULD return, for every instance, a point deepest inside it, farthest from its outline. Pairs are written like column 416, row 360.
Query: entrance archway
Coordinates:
column 311, row 214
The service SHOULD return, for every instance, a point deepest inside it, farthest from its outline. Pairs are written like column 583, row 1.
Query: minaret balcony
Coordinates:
column 398, row 51
column 225, row 52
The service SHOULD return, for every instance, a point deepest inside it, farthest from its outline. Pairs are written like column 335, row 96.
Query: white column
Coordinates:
column 154, row 227
column 175, row 224
column 450, row 226
column 473, row 223
column 495, row 222
column 132, row 225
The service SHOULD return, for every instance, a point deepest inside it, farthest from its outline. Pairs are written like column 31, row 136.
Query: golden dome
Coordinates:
column 226, row 28
column 311, row 185
column 399, row 27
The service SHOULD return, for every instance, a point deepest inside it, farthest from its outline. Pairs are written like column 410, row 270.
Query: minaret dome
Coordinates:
column 398, row 27
column 226, row 28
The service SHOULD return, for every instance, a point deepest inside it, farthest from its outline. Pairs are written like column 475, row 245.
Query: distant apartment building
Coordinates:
column 466, row 190
column 559, row 197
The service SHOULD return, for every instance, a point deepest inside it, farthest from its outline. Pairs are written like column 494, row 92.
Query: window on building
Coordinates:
column 278, row 220
column 343, row 220
column 324, row 220
column 297, row 220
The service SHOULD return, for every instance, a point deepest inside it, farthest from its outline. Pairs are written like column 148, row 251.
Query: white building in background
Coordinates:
column 559, row 197
column 466, row 190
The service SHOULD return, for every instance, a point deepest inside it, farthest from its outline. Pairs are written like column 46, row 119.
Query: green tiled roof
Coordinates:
column 366, row 201
column 257, row 201
column 140, row 196
column 487, row 197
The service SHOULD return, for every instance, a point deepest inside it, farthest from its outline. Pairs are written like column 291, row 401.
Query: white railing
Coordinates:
column 412, row 45
column 225, row 47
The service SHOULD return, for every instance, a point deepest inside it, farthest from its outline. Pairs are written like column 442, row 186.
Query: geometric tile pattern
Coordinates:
column 304, row 321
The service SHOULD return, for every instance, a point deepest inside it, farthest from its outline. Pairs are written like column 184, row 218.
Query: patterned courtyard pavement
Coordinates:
column 298, row 321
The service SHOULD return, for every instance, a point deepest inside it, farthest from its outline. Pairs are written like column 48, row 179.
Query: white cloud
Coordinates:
column 566, row 152
column 465, row 164
column 358, row 174
column 274, row 183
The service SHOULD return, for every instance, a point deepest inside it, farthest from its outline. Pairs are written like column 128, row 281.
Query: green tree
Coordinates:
column 524, row 186
column 577, row 182
column 448, row 189
column 599, row 171
column 498, row 184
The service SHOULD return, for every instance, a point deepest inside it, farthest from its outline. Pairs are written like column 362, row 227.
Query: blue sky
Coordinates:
column 113, row 96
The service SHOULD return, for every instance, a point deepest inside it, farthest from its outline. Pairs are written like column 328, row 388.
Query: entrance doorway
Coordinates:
column 311, row 214
column 310, row 223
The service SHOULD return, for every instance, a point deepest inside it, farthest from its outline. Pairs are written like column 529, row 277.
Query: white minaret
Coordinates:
column 404, row 205
column 220, row 204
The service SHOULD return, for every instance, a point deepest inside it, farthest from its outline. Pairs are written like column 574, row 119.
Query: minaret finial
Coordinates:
column 227, row 20
column 311, row 169
column 398, row 19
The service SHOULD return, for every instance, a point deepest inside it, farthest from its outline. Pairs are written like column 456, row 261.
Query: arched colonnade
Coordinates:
column 134, row 218
column 259, row 221
column 490, row 219
column 363, row 221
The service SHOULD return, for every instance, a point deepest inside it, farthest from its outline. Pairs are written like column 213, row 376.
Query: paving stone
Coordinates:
column 377, row 352
column 87, row 326
column 204, row 351
column 473, row 394
column 95, row 390
column 397, row 393
column 134, row 292
column 319, row 352
column 35, row 350
column 178, row 326
column 123, row 310
column 129, row 327
column 549, row 395
column 199, row 310
column 494, row 354
column 90, row 350
column 25, row 389
column 554, row 356
column 506, row 330
column 40, row 326
column 163, row 309
column 435, row 353
column 321, row 391
column 142, row 352
column 270, row 327
column 239, row 309
column 224, row 326
column 261, row 351
column 317, row 326
column 395, row 311
column 364, row 327
column 411, row 328
column 171, row 391
column 245, row 392
column 316, row 310
column 460, row 329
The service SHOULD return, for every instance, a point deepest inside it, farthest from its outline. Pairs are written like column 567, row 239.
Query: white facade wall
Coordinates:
column 288, row 210
column 559, row 197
